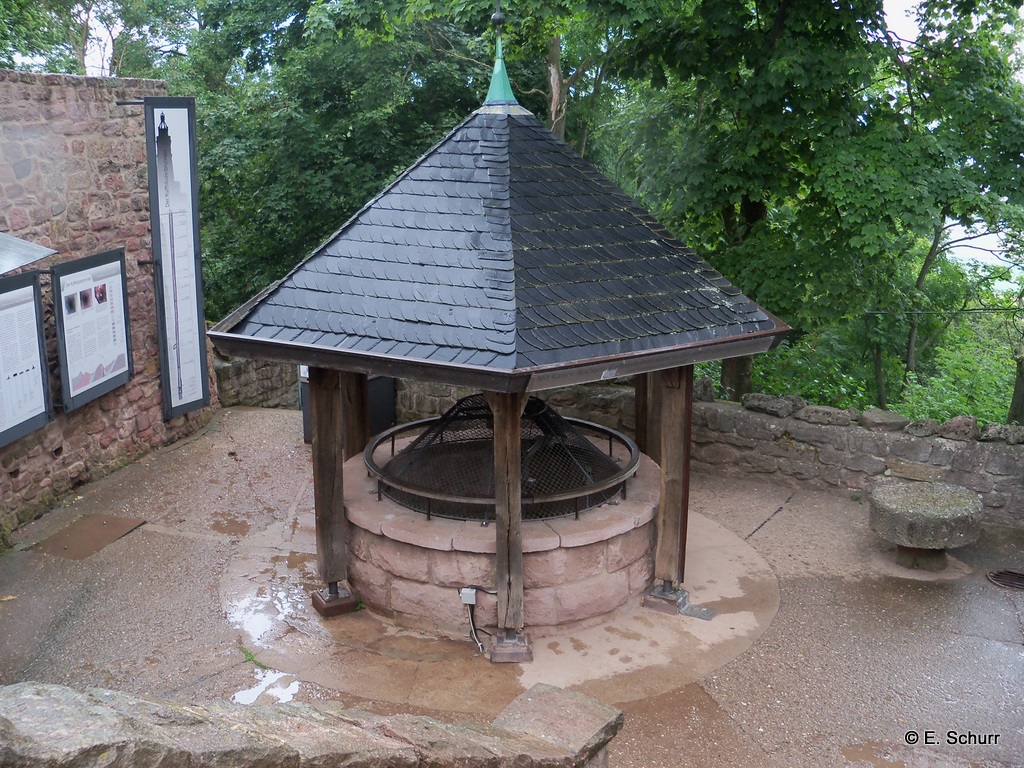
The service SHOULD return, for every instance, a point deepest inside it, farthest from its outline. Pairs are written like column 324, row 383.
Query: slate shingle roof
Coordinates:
column 503, row 250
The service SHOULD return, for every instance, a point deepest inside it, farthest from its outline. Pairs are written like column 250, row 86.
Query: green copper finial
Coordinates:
column 500, row 91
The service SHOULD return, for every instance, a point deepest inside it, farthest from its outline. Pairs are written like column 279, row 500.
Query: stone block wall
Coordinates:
column 607, row 404
column 73, row 177
column 853, row 453
column 256, row 382
column 422, row 399
column 787, row 441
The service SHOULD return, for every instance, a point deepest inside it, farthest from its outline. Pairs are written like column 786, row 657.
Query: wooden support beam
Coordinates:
column 654, row 425
column 675, row 393
column 355, row 412
column 329, row 490
column 641, row 397
column 508, row 507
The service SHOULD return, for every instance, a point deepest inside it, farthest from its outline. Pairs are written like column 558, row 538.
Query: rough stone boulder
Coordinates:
column 823, row 414
column 923, row 428
column 55, row 727
column 704, row 390
column 924, row 519
column 960, row 428
column 780, row 407
column 1011, row 434
column 883, row 421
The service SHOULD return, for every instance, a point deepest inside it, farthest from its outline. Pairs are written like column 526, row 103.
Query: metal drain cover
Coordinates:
column 1008, row 579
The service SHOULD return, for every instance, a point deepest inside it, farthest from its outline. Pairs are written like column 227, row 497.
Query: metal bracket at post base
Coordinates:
column 510, row 645
column 667, row 599
column 334, row 601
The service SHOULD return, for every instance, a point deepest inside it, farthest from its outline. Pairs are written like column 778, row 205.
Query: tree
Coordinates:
column 559, row 50
column 300, row 134
column 819, row 161
column 124, row 37
column 38, row 34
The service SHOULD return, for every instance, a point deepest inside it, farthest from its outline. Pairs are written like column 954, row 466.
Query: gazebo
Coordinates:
column 504, row 262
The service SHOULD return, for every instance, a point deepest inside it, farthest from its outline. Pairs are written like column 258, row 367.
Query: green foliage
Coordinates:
column 972, row 378
column 250, row 658
column 971, row 371
column 287, row 156
column 816, row 368
column 808, row 155
column 37, row 34
column 813, row 158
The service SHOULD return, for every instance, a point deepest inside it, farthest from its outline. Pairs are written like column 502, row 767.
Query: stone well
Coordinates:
column 410, row 569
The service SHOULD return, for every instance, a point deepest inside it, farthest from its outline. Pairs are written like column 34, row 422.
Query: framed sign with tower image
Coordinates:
column 177, row 267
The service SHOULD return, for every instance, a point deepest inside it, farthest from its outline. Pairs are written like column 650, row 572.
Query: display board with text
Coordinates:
column 24, row 378
column 94, row 348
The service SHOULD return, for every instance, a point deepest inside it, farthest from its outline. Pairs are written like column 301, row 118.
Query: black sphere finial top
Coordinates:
column 498, row 18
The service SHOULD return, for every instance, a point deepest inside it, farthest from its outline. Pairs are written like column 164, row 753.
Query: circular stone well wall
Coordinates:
column 410, row 569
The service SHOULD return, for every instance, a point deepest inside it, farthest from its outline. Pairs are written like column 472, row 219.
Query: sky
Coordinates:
column 896, row 13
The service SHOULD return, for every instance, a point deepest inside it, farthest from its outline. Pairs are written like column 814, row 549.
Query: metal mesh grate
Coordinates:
column 454, row 458
column 1007, row 578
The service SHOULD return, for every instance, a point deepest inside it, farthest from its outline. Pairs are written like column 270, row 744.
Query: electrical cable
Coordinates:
column 474, row 633
column 472, row 630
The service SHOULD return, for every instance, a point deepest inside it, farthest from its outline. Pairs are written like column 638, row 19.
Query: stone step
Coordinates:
column 57, row 727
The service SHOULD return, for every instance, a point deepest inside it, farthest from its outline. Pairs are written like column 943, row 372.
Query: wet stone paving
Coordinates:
column 823, row 653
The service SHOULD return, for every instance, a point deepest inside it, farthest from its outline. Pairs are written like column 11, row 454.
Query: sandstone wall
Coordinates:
column 73, row 177
column 256, row 383
column 787, row 441
column 850, row 454
column 609, row 405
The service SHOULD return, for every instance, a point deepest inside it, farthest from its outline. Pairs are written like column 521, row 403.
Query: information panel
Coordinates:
column 94, row 346
column 24, row 379
column 174, row 213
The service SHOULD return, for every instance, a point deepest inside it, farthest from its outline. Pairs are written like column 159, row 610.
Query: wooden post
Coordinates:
column 641, row 397
column 510, row 643
column 654, row 417
column 675, row 391
column 355, row 412
column 328, row 491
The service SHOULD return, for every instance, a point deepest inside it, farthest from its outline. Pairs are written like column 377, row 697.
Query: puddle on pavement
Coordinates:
column 276, row 602
column 418, row 647
column 230, row 526
column 302, row 562
column 268, row 681
column 261, row 614
column 249, row 615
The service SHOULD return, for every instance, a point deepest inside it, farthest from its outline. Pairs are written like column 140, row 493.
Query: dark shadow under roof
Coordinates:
column 502, row 260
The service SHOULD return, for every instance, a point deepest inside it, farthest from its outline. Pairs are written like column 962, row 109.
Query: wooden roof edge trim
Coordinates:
column 648, row 361
column 491, row 380
column 781, row 327
column 517, row 380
